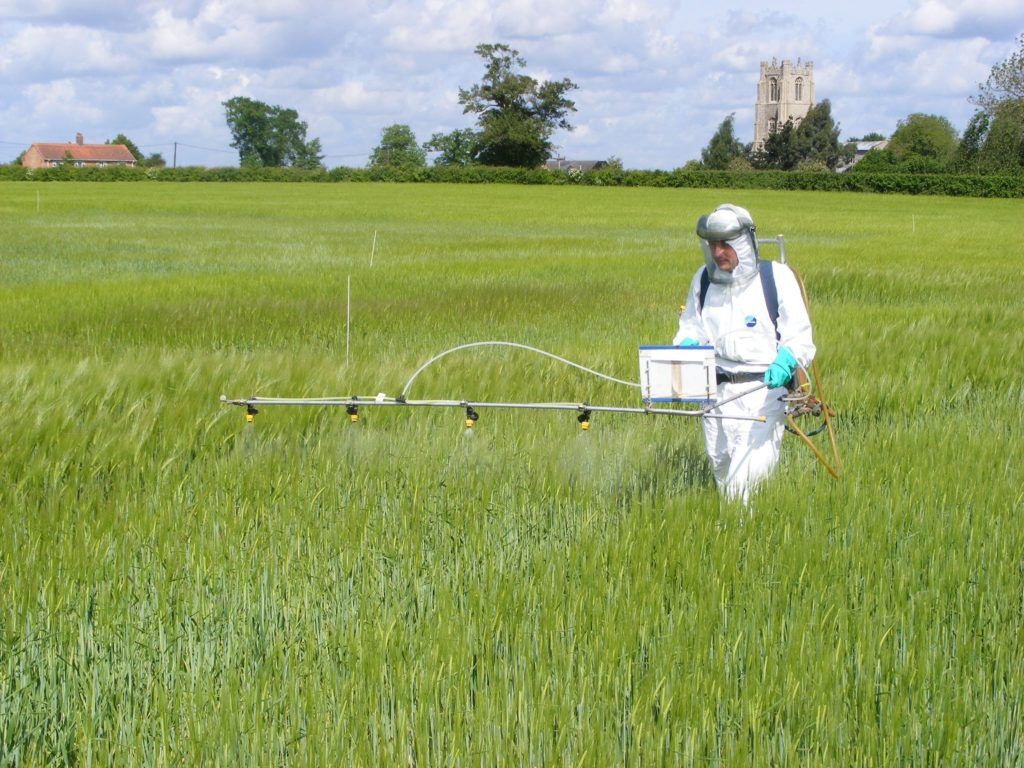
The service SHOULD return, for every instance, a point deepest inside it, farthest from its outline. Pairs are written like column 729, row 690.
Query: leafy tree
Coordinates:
column 995, row 143
column 1005, row 82
column 817, row 138
column 272, row 136
column 876, row 161
column 309, row 155
column 814, row 142
column 456, row 148
column 1003, row 150
column 613, row 163
column 723, row 147
column 779, row 149
column 398, row 149
column 741, row 162
column 516, row 114
column 965, row 159
column 924, row 136
column 155, row 160
column 122, row 139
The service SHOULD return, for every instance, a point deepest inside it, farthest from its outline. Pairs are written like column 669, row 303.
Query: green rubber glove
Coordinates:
column 688, row 342
column 781, row 370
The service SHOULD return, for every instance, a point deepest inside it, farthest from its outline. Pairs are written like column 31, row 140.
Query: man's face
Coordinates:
column 724, row 255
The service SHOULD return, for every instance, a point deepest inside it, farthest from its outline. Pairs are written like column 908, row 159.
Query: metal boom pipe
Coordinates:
column 368, row 401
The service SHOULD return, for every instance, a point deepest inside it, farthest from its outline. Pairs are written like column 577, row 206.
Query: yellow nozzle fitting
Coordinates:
column 250, row 418
column 353, row 417
column 584, row 425
column 470, row 423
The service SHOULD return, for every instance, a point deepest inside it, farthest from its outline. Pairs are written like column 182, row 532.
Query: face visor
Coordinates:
column 733, row 225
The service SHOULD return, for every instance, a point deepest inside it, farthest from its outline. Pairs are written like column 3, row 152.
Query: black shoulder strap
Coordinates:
column 705, row 282
column 771, row 293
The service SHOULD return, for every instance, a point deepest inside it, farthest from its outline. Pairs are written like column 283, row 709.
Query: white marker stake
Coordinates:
column 348, row 317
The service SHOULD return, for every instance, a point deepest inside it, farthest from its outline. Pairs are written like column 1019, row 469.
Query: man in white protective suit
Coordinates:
column 753, row 314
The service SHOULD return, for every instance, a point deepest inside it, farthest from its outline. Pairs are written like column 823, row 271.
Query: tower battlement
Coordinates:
column 785, row 91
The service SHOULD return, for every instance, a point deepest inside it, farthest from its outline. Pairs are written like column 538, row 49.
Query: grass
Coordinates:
column 179, row 588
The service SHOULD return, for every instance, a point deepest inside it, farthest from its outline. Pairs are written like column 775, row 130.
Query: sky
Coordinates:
column 656, row 78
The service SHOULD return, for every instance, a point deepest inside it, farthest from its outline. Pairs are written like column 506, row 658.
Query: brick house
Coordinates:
column 78, row 154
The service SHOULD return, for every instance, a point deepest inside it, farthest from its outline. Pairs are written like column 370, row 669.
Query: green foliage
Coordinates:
column 181, row 588
column 516, row 115
column 817, row 138
column 965, row 158
column 398, row 149
column 1005, row 82
column 814, row 141
column 880, row 179
column 779, row 150
column 930, row 137
column 270, row 136
column 1003, row 149
column 456, row 148
column 723, row 147
column 131, row 146
column 993, row 143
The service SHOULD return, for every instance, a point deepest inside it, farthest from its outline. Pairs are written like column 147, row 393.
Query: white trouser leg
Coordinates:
column 742, row 453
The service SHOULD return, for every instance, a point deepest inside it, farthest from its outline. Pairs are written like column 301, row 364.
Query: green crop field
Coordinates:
column 180, row 588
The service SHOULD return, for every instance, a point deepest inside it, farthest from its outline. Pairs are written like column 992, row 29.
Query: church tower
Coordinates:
column 783, row 92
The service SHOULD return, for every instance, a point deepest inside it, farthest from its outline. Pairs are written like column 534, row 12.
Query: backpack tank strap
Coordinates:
column 771, row 293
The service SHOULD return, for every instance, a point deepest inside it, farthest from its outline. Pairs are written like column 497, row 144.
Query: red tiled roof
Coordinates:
column 89, row 153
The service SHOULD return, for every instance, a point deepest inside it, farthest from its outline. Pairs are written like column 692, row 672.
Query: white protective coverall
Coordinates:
column 735, row 320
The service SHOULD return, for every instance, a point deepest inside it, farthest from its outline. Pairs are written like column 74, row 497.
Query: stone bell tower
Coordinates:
column 784, row 91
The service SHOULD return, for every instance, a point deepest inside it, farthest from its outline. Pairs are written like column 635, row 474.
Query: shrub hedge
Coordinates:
column 962, row 185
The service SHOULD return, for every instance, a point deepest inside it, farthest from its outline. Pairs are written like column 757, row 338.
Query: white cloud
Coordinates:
column 656, row 77
column 351, row 95
column 54, row 52
column 632, row 12
column 59, row 102
column 960, row 18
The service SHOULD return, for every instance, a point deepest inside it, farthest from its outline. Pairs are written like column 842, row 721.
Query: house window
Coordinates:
column 799, row 89
column 773, row 89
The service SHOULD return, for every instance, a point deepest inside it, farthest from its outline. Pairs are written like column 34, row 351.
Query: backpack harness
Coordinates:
column 771, row 294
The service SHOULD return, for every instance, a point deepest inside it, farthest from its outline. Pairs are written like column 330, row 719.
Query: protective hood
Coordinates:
column 731, row 224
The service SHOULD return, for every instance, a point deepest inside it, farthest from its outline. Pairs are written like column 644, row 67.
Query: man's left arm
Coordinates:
column 794, row 322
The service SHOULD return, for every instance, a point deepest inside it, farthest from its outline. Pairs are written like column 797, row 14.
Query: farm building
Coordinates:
column 861, row 148
column 78, row 153
column 561, row 164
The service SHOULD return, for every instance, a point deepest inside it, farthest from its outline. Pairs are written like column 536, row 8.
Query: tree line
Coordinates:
column 992, row 143
column 516, row 116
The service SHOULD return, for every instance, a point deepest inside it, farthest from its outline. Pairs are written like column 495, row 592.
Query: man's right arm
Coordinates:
column 691, row 327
